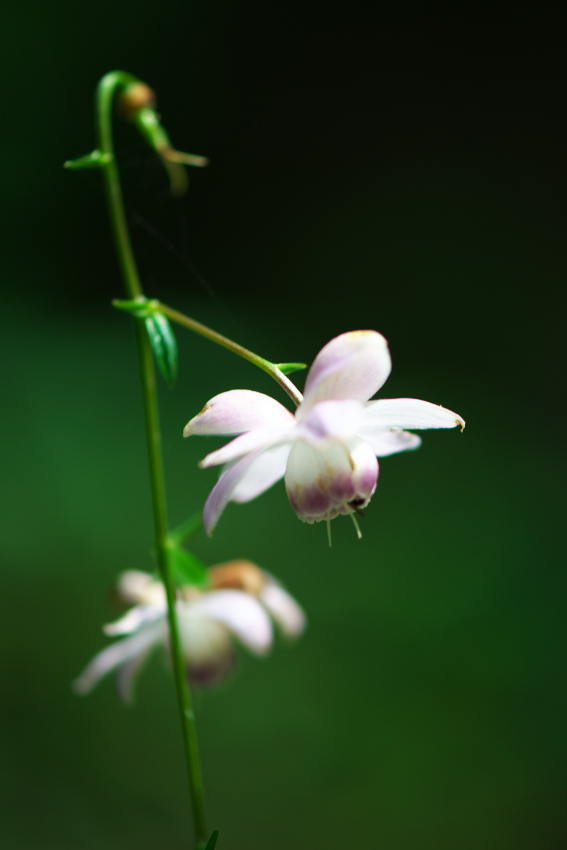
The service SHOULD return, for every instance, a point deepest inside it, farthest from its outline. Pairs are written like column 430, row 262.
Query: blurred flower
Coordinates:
column 238, row 603
column 328, row 451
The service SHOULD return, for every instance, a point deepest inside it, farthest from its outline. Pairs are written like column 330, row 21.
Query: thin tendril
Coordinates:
column 329, row 529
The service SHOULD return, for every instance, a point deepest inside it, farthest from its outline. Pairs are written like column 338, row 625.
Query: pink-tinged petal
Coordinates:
column 260, row 438
column 262, row 474
column 255, row 473
column 336, row 420
column 354, row 365
column 121, row 652
column 385, row 443
column 237, row 411
column 364, row 471
column 242, row 615
column 283, row 609
column 410, row 413
column 319, row 481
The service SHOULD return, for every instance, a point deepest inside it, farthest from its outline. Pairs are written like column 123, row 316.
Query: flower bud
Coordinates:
column 238, row 575
column 134, row 98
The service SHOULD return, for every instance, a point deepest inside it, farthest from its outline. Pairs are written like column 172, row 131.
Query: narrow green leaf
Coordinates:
column 164, row 346
column 286, row 368
column 186, row 529
column 186, row 568
column 212, row 842
column 95, row 159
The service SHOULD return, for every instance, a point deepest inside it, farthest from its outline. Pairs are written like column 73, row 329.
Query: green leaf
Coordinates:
column 95, row 159
column 286, row 368
column 164, row 346
column 186, row 568
column 186, row 529
column 212, row 842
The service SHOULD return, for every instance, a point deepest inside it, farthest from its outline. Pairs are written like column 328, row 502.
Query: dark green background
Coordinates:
column 404, row 169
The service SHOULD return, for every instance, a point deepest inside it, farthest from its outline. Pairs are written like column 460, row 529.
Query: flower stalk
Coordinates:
column 110, row 85
column 272, row 369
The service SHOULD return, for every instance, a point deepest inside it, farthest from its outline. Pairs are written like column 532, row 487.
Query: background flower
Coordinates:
column 238, row 605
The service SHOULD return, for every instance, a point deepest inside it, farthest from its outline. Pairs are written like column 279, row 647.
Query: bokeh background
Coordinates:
column 395, row 166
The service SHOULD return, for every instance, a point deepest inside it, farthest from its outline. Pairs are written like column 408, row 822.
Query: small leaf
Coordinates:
column 186, row 529
column 186, row 568
column 212, row 842
column 164, row 346
column 286, row 368
column 95, row 159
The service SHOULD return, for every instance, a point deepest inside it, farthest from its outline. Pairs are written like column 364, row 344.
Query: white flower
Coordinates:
column 237, row 606
column 328, row 451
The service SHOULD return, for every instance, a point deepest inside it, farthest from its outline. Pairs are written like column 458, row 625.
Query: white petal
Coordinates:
column 385, row 443
column 410, row 413
column 262, row 474
column 244, row 444
column 118, row 653
column 127, row 673
column 134, row 619
column 242, row 614
column 245, row 480
column 205, row 641
column 354, row 365
column 338, row 420
column 283, row 608
column 140, row 588
column 238, row 411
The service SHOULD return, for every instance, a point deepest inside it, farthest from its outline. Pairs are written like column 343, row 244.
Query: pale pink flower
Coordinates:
column 328, row 450
column 239, row 604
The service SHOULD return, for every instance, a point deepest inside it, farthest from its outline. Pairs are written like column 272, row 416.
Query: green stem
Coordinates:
column 268, row 367
column 107, row 88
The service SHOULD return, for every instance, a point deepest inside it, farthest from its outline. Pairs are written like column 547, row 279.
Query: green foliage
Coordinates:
column 212, row 842
column 287, row 368
column 186, row 529
column 164, row 346
column 160, row 334
column 186, row 568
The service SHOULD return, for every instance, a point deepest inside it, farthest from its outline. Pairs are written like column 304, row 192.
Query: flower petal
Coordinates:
column 364, row 471
column 265, row 470
column 259, row 438
column 242, row 614
column 207, row 649
column 410, row 413
column 385, row 443
column 283, row 608
column 337, row 420
column 237, row 411
column 319, row 481
column 354, row 365
column 127, row 673
column 119, row 653
column 134, row 619
column 245, row 480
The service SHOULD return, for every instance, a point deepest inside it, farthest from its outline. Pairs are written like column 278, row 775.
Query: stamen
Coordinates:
column 329, row 528
column 356, row 525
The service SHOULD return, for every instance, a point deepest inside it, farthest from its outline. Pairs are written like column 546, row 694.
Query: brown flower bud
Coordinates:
column 134, row 98
column 237, row 575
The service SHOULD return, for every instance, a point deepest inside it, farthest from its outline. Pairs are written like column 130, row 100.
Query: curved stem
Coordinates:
column 107, row 88
column 203, row 330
